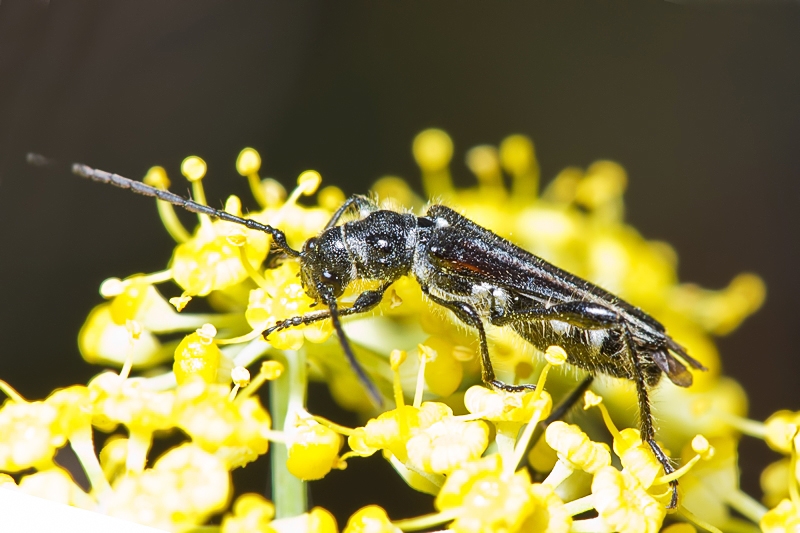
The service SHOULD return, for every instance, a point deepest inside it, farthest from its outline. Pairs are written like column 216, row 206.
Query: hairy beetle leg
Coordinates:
column 502, row 385
column 366, row 301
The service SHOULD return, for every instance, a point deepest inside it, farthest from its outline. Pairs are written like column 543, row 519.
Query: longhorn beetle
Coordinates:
column 480, row 277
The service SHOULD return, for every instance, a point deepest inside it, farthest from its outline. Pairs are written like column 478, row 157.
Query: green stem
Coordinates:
column 287, row 398
column 139, row 442
column 745, row 504
column 581, row 505
column 82, row 444
column 749, row 427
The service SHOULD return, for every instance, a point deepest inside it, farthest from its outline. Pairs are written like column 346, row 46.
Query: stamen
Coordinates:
column 241, row 378
column 553, row 354
column 135, row 331
column 11, row 392
column 157, row 177
column 753, row 428
column 424, row 356
column 254, row 274
column 207, row 332
column 334, row 426
column 560, row 472
column 433, row 150
column 331, row 197
column 157, row 277
column 248, row 164
column 396, row 358
column 242, row 338
column 581, row 505
column 308, row 182
column 518, row 157
column 112, row 287
column 484, row 162
column 593, row 400
column 194, row 169
column 704, row 451
column 691, row 517
column 269, row 371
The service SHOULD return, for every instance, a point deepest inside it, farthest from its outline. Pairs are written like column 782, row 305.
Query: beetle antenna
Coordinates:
column 330, row 300
column 94, row 174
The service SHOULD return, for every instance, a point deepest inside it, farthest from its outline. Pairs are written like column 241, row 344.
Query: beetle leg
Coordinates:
column 362, row 203
column 648, row 433
column 560, row 410
column 366, row 301
column 589, row 315
column 468, row 315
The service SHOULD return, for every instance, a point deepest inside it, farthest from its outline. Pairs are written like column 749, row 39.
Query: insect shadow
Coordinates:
column 480, row 277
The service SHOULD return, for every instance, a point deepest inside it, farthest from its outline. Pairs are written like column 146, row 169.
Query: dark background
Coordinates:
column 699, row 102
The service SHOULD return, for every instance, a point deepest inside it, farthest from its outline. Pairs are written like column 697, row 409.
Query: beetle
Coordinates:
column 477, row 275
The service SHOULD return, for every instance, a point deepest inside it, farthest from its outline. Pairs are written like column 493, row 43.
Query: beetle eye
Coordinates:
column 310, row 245
column 424, row 222
column 332, row 280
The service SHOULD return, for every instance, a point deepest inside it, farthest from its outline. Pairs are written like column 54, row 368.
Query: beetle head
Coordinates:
column 324, row 261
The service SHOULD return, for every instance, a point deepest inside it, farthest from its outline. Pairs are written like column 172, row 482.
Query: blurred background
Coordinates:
column 700, row 102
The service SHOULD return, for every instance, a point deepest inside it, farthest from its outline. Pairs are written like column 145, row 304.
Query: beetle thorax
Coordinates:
column 377, row 247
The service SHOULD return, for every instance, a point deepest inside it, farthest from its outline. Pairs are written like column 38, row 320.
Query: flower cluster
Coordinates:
column 492, row 460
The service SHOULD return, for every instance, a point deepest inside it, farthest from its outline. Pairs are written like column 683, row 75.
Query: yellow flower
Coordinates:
column 483, row 497
column 31, row 435
column 709, row 487
column 549, row 515
column 117, row 400
column 211, row 261
column 252, row 513
column 391, row 430
column 370, row 519
column 236, row 431
column 575, row 222
column 183, row 489
column 282, row 297
column 775, row 481
column 623, row 503
column 447, row 444
column 74, row 408
column 502, row 406
column 784, row 518
column 575, row 448
column 198, row 356
column 781, row 429
column 637, row 457
column 313, row 452
column 102, row 340
column 321, row 521
column 56, row 485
